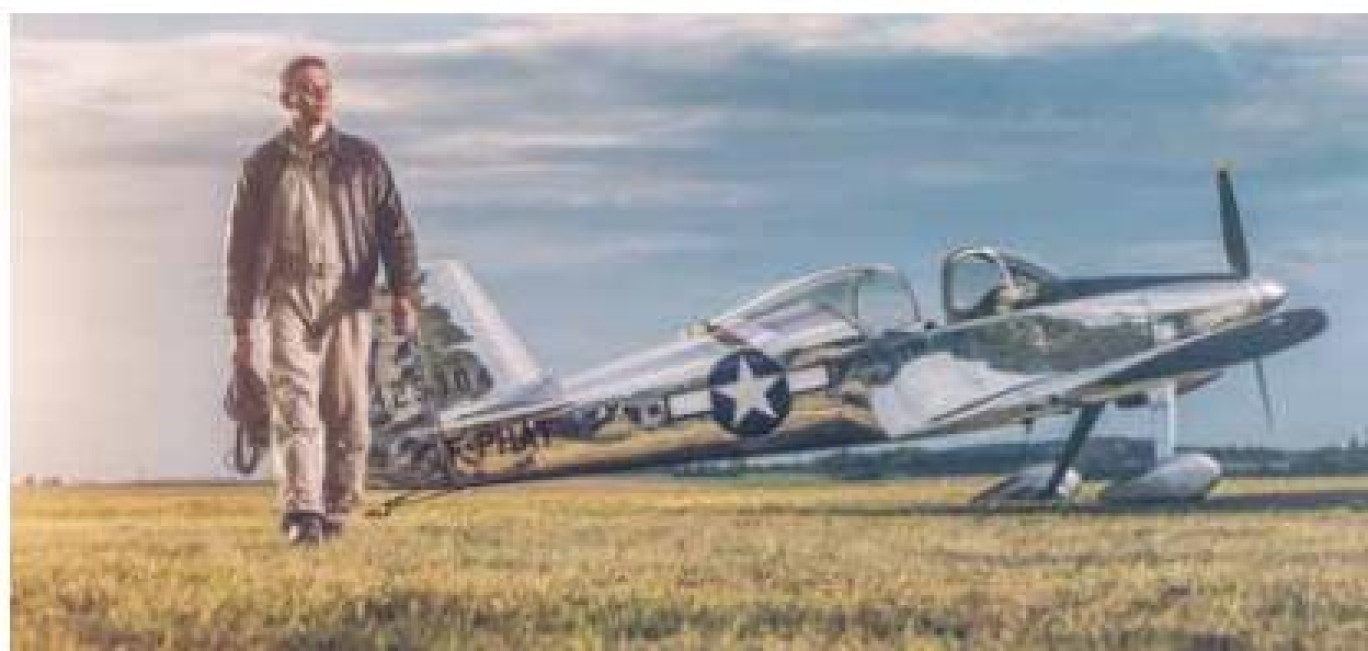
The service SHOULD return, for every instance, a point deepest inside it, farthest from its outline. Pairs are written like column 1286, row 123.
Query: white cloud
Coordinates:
column 1016, row 35
column 205, row 75
column 225, row 81
column 124, row 148
column 969, row 34
column 575, row 186
column 204, row 100
column 505, row 142
column 1294, row 256
column 1347, row 72
column 516, row 251
column 538, row 32
column 1270, row 28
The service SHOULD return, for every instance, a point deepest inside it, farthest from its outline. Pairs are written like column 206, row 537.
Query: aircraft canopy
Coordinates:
column 866, row 299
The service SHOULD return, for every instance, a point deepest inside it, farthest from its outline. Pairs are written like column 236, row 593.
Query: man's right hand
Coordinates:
column 242, row 350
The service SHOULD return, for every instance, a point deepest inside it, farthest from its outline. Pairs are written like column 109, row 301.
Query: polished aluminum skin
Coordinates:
column 859, row 361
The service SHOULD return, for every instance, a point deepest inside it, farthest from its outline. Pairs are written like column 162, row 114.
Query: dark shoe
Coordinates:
column 333, row 525
column 302, row 528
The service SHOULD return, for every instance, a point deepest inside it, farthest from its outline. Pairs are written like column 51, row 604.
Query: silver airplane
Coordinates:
column 843, row 356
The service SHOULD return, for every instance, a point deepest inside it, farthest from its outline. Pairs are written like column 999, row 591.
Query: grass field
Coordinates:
column 777, row 564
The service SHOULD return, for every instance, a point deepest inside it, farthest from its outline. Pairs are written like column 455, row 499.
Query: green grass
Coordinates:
column 677, row 564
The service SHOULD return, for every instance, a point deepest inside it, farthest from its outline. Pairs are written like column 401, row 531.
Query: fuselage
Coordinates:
column 864, row 367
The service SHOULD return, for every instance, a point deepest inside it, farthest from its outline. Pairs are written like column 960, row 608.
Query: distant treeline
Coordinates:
column 1102, row 458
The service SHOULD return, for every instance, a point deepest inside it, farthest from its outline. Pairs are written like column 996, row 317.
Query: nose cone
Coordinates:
column 1270, row 294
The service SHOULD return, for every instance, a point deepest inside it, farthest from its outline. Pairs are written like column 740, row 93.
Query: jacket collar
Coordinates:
column 327, row 146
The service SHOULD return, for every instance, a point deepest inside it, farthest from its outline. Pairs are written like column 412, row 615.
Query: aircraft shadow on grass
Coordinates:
column 1264, row 502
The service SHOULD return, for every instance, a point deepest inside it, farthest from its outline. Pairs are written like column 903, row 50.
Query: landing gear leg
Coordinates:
column 1047, row 481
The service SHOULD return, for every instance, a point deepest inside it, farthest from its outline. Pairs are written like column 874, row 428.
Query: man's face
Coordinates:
column 309, row 95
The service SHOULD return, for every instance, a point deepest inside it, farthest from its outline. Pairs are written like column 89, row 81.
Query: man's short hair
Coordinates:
column 299, row 63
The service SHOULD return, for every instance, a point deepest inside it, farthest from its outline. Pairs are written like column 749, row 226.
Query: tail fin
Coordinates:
column 468, row 357
column 464, row 332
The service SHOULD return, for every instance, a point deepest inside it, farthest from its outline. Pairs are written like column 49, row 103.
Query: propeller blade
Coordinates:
column 1265, row 396
column 1083, row 426
column 1232, row 231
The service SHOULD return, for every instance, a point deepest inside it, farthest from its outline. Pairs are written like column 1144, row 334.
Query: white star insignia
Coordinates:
column 748, row 392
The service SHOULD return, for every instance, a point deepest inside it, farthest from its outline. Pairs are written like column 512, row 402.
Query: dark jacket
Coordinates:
column 371, row 222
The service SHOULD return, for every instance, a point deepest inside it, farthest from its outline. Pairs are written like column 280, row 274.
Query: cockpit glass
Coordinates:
column 982, row 282
column 883, row 303
column 864, row 300
column 977, row 284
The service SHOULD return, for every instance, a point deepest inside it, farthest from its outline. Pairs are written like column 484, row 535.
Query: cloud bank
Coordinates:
column 628, row 174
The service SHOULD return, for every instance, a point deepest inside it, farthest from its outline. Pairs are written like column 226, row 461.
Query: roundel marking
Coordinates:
column 749, row 393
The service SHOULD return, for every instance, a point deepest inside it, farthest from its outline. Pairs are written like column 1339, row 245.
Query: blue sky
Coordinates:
column 613, row 178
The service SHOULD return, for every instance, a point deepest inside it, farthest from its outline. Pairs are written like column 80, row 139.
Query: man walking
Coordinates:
column 315, row 214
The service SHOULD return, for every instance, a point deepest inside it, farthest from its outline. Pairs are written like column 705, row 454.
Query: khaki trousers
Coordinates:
column 319, row 359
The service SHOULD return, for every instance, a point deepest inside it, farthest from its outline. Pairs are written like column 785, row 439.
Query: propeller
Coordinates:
column 1237, row 254
column 1265, row 397
column 1232, row 231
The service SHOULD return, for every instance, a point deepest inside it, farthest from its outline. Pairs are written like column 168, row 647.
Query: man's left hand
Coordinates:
column 405, row 316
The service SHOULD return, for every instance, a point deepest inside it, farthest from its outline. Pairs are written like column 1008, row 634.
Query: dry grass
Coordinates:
column 593, row 564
